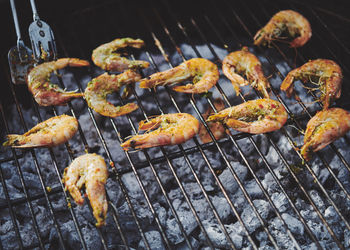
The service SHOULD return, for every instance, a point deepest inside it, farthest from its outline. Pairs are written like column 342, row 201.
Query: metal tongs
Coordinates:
column 42, row 38
column 20, row 57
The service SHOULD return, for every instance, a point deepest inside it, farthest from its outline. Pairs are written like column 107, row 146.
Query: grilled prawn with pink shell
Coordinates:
column 255, row 117
column 170, row 129
column 45, row 93
column 89, row 170
column 203, row 73
column 285, row 21
column 324, row 128
column 325, row 74
column 244, row 63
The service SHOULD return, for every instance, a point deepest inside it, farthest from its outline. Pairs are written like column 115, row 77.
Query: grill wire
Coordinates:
column 163, row 23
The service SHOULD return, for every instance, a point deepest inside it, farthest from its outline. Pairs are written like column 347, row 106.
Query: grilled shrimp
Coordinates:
column 202, row 72
column 52, row 132
column 255, row 117
column 172, row 129
column 91, row 170
column 324, row 128
column 244, row 63
column 215, row 127
column 106, row 57
column 285, row 21
column 45, row 93
column 98, row 89
column 326, row 74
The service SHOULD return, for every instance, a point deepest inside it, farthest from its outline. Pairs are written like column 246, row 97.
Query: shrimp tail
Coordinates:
column 306, row 151
column 126, row 109
column 264, row 90
column 217, row 117
column 75, row 193
column 259, row 37
column 97, row 197
column 14, row 140
column 287, row 84
column 138, row 64
column 188, row 88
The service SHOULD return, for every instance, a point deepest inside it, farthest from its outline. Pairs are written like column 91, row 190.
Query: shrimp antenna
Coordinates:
column 295, row 57
column 301, row 131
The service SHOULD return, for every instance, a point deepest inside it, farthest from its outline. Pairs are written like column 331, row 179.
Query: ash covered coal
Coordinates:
column 177, row 181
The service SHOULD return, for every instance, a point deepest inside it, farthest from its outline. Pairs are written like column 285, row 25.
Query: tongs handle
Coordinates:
column 35, row 12
column 20, row 43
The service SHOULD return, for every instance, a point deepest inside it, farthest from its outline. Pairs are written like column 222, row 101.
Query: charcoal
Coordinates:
column 294, row 225
column 253, row 189
column 249, row 217
column 280, row 201
column 173, row 231
column 277, row 230
column 346, row 238
column 10, row 240
column 161, row 213
column 239, row 201
column 154, row 240
column 319, row 231
column 331, row 215
column 228, row 180
column 218, row 238
column 317, row 200
column 91, row 237
column 270, row 184
column 183, row 245
column 222, row 207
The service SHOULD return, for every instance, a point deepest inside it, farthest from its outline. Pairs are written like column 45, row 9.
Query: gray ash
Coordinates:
column 171, row 186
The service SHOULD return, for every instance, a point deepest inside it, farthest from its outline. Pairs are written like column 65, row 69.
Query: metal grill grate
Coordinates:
column 165, row 27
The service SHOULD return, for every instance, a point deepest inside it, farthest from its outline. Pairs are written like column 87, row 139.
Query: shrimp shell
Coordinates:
column 173, row 129
column 285, row 20
column 215, row 127
column 89, row 170
column 202, row 72
column 255, row 117
column 45, row 93
column 97, row 90
column 326, row 73
column 242, row 62
column 106, row 57
column 324, row 128
column 49, row 133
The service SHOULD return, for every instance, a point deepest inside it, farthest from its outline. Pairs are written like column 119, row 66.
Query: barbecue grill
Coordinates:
column 242, row 191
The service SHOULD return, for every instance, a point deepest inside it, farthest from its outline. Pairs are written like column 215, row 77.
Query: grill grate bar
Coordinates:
column 234, row 142
column 142, row 186
column 330, row 31
column 232, row 171
column 310, row 170
column 322, row 158
column 208, row 163
column 156, row 175
column 175, row 174
column 273, row 144
column 319, row 103
column 116, row 171
column 9, row 205
column 69, row 153
column 253, row 142
column 37, row 231
column 39, row 172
